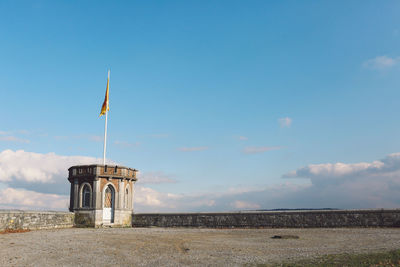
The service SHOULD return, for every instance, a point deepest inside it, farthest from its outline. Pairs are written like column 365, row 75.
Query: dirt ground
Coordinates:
column 186, row 247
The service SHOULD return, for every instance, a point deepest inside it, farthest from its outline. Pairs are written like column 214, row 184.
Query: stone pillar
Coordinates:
column 71, row 198
column 97, row 202
column 76, row 193
column 132, row 196
column 120, row 192
column 96, row 194
column 123, row 183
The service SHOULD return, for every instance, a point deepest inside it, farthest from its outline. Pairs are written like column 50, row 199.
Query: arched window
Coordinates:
column 86, row 194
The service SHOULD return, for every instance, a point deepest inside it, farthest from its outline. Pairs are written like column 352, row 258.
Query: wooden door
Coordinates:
column 108, row 209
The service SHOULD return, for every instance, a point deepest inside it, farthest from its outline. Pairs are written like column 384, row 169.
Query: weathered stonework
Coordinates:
column 84, row 219
column 102, row 195
column 35, row 220
column 285, row 219
column 272, row 219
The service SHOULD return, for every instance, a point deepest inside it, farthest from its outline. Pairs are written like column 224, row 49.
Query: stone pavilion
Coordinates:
column 102, row 194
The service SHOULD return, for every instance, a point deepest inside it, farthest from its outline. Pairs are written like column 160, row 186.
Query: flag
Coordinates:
column 105, row 106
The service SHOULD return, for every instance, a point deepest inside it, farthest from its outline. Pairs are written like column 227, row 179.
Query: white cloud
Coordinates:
column 35, row 180
column 29, row 167
column 39, row 181
column 381, row 62
column 191, row 149
column 150, row 200
column 25, row 199
column 243, row 138
column 362, row 185
column 390, row 165
column 373, row 184
column 285, row 122
column 258, row 149
column 232, row 199
column 11, row 138
column 149, row 197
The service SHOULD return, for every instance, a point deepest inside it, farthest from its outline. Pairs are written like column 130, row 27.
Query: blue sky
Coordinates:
column 206, row 97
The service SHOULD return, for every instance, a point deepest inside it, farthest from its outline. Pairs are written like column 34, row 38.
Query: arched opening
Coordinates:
column 109, row 203
column 86, row 195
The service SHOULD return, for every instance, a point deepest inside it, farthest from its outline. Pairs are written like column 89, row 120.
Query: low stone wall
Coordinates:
column 10, row 219
column 272, row 219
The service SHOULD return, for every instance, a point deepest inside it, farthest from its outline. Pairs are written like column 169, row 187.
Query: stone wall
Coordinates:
column 10, row 219
column 272, row 219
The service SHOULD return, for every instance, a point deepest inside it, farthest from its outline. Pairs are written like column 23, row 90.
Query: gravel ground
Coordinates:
column 186, row 247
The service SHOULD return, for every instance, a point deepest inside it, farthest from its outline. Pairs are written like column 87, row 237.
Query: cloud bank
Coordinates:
column 356, row 185
column 373, row 184
column 36, row 167
column 39, row 181
column 11, row 198
column 387, row 167
column 42, row 173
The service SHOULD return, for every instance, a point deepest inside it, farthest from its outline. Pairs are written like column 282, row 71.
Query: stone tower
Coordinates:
column 102, row 194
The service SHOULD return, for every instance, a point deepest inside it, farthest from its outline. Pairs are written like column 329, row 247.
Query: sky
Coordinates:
column 220, row 105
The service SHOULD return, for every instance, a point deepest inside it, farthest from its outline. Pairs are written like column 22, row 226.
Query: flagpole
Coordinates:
column 105, row 140
column 105, row 126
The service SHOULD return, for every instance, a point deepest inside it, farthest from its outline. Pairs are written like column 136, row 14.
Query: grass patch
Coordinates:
column 385, row 259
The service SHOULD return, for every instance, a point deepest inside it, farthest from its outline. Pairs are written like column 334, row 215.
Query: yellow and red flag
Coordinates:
column 105, row 106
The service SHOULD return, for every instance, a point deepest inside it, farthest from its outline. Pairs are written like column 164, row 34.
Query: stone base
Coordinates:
column 84, row 218
column 94, row 218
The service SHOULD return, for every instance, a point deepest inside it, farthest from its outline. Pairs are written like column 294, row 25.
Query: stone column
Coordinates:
column 96, row 194
column 97, row 202
column 71, row 197
column 132, row 196
column 123, row 183
column 76, row 193
column 120, row 192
